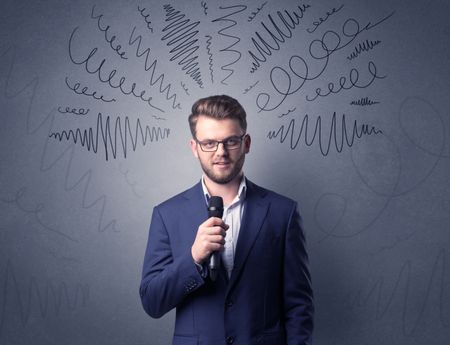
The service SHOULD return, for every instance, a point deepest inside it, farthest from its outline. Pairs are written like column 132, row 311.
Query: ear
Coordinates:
column 193, row 145
column 247, row 143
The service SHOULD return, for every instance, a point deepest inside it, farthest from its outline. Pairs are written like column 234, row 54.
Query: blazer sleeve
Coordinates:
column 298, row 295
column 166, row 280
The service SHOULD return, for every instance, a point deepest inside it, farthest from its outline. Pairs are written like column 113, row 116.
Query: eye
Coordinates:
column 232, row 141
column 209, row 144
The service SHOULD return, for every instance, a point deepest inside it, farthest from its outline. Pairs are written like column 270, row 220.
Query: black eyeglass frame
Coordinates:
column 223, row 142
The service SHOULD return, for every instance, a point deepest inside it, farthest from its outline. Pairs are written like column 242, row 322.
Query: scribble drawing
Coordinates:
column 49, row 298
column 384, row 300
column 250, row 87
column 210, row 57
column 366, row 101
column 226, row 18
column 340, row 139
column 205, row 7
column 276, row 35
column 256, row 12
column 165, row 90
column 27, row 93
column 103, row 132
column 363, row 47
column 180, row 32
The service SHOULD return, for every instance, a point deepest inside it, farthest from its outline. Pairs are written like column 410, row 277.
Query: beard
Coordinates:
column 236, row 168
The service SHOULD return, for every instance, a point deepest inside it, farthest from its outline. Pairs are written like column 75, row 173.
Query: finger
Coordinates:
column 215, row 221
column 216, row 239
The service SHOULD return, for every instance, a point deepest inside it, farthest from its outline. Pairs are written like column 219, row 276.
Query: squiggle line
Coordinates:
column 250, row 87
column 181, row 33
column 287, row 113
column 87, row 139
column 210, row 57
column 282, row 134
column 438, row 277
column 239, row 9
column 31, row 88
column 265, row 49
column 59, row 296
column 365, row 46
column 163, row 90
column 364, row 102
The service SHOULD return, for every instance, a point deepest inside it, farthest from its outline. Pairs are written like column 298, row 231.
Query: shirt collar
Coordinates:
column 242, row 190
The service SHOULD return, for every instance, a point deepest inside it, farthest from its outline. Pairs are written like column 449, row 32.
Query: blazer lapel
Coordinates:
column 255, row 212
column 194, row 211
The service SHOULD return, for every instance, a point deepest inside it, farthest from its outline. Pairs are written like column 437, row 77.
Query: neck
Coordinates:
column 227, row 191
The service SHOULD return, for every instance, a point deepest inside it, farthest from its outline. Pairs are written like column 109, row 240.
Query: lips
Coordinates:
column 222, row 164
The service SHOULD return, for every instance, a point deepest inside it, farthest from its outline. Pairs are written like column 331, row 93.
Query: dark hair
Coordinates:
column 218, row 107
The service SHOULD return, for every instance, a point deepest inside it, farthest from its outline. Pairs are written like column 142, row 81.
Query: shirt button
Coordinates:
column 230, row 340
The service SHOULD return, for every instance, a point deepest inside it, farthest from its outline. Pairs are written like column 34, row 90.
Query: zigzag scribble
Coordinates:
column 210, row 56
column 363, row 47
column 265, row 48
column 27, row 94
column 180, row 32
column 90, row 141
column 284, row 134
column 49, row 297
column 364, row 102
column 163, row 90
column 239, row 8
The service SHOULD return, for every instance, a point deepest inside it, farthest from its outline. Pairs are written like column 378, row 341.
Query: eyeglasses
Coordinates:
column 231, row 143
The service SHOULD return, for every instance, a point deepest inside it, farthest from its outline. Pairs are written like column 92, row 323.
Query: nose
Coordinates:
column 221, row 150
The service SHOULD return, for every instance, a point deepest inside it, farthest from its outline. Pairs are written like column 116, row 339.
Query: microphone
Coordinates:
column 215, row 209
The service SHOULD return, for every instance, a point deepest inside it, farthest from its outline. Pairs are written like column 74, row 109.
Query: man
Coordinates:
column 262, row 294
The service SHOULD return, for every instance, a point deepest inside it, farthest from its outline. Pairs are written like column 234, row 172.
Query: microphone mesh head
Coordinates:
column 215, row 207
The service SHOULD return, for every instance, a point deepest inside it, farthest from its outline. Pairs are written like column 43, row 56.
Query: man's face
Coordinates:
column 223, row 165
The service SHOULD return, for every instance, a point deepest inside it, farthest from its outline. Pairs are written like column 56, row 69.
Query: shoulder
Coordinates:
column 275, row 198
column 187, row 195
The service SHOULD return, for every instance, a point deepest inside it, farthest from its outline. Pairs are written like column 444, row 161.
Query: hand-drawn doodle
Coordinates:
column 180, row 32
column 376, row 293
column 366, row 101
column 210, row 57
column 130, row 183
column 287, row 113
column 111, row 39
column 51, row 298
column 35, row 211
column 363, row 47
column 255, row 13
column 344, row 85
column 28, row 93
column 319, row 49
column 165, row 90
column 185, row 88
column 321, row 20
column 358, row 131
column 85, row 91
column 205, row 7
column 250, row 87
column 75, row 111
column 145, row 16
column 110, row 80
column 227, row 18
column 127, row 135
column 264, row 48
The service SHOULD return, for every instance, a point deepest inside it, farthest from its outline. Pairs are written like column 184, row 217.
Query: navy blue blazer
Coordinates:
column 268, row 298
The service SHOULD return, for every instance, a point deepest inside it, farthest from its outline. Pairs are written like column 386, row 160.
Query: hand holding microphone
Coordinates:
column 210, row 237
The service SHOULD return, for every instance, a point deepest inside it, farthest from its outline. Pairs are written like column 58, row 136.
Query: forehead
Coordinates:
column 210, row 128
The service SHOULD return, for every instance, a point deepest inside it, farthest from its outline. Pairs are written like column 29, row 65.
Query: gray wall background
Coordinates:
column 368, row 163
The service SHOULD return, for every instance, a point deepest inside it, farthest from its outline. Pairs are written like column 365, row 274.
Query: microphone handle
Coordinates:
column 214, row 262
